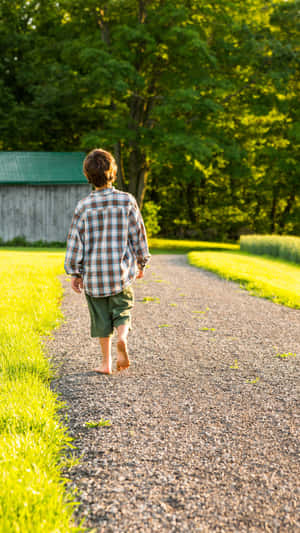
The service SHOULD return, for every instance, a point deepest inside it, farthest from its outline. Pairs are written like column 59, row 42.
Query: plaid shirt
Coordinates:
column 106, row 242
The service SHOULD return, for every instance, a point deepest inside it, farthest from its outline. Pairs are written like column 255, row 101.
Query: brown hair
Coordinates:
column 100, row 168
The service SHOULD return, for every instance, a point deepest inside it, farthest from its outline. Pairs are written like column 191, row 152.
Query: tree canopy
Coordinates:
column 198, row 102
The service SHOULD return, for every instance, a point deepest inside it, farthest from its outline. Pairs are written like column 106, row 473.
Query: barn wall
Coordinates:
column 38, row 212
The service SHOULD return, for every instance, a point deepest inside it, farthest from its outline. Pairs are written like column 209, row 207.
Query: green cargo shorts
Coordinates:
column 109, row 312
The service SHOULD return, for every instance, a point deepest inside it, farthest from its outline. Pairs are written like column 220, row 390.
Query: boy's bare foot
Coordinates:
column 102, row 370
column 122, row 357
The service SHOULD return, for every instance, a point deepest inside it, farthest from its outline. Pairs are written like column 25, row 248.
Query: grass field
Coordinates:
column 172, row 246
column 33, row 440
column 274, row 279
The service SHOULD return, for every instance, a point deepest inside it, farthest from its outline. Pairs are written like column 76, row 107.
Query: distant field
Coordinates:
column 168, row 246
column 157, row 246
column 284, row 247
column 269, row 278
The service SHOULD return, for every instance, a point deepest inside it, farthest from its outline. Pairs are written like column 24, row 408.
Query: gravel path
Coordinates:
column 194, row 445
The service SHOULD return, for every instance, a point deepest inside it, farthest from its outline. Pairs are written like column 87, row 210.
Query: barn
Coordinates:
column 38, row 194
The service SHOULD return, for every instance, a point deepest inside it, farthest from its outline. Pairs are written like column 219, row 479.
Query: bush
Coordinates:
column 151, row 218
column 20, row 241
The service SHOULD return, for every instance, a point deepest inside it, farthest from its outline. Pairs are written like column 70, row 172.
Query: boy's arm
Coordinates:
column 75, row 247
column 138, row 237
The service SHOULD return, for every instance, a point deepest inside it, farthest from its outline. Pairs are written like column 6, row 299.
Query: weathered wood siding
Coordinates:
column 38, row 212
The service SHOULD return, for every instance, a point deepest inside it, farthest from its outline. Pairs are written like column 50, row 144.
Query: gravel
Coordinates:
column 194, row 444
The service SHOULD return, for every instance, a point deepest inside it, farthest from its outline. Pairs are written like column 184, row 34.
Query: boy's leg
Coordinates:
column 106, row 367
column 121, row 305
column 101, row 327
column 122, row 353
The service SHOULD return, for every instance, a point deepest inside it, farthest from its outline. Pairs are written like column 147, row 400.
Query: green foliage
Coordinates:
column 150, row 214
column 199, row 103
column 21, row 242
column 287, row 248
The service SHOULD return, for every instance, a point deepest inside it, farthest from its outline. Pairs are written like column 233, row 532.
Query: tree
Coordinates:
column 197, row 101
column 142, row 67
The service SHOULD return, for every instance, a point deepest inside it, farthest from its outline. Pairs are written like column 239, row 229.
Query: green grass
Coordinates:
column 98, row 424
column 285, row 355
column 285, row 247
column 170, row 246
column 252, row 381
column 147, row 299
column 269, row 278
column 33, row 439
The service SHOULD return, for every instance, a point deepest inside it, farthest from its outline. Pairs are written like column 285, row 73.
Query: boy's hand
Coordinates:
column 140, row 274
column 77, row 284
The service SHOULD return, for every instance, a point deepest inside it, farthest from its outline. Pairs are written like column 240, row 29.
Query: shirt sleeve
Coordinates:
column 75, row 246
column 138, row 237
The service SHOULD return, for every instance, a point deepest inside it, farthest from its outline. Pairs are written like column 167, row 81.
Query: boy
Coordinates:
column 106, row 251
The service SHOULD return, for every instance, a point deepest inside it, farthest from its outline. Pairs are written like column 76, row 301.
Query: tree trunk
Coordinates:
column 138, row 166
column 142, row 11
column 119, row 161
column 105, row 32
column 142, row 185
column 273, row 212
column 138, row 174
column 190, row 198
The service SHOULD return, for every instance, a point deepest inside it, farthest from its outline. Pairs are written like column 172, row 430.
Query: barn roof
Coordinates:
column 41, row 168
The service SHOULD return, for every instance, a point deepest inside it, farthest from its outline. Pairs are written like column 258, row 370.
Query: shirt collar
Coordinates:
column 104, row 191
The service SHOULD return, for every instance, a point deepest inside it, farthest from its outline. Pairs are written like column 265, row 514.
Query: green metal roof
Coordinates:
column 41, row 168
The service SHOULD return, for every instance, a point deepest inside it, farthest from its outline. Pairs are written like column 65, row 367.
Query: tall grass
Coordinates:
column 287, row 248
column 33, row 440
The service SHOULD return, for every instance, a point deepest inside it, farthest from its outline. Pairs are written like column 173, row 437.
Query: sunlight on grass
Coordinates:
column 32, row 438
column 147, row 299
column 285, row 355
column 98, row 424
column 272, row 279
column 162, row 246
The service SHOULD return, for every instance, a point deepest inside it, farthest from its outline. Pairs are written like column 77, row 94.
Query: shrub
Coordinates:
column 151, row 218
column 21, row 242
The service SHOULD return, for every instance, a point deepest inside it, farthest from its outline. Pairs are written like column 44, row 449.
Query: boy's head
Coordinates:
column 100, row 168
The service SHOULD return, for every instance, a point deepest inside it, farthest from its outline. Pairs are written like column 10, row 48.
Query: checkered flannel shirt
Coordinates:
column 107, row 242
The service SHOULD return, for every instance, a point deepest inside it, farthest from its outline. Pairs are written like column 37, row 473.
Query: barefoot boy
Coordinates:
column 106, row 251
